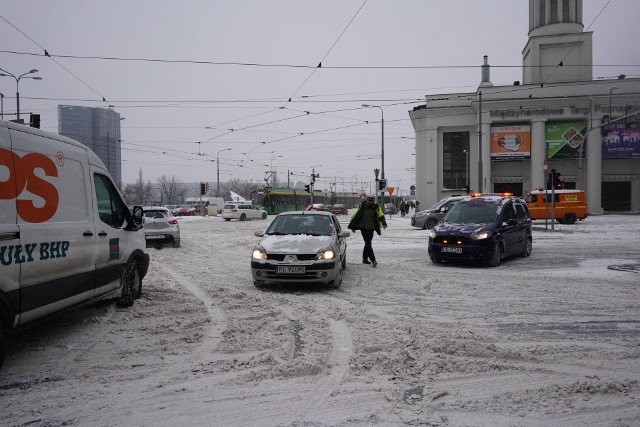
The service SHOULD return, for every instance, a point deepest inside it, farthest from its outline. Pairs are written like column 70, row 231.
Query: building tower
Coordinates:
column 554, row 26
column 98, row 129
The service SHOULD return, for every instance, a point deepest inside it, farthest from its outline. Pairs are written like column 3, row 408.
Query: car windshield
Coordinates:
column 229, row 206
column 472, row 213
column 313, row 225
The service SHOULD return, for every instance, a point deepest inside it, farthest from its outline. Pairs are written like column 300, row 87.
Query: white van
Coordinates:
column 66, row 236
column 211, row 204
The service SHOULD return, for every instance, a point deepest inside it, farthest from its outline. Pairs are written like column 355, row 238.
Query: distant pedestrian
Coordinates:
column 368, row 218
column 417, row 206
column 403, row 207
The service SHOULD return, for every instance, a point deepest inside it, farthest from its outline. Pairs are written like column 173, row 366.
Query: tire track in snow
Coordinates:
column 217, row 316
column 342, row 348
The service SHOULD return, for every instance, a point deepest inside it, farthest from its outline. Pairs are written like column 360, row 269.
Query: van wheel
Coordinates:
column 3, row 340
column 227, row 219
column 526, row 250
column 435, row 260
column 264, row 215
column 569, row 218
column 243, row 217
column 131, row 285
column 496, row 256
column 430, row 223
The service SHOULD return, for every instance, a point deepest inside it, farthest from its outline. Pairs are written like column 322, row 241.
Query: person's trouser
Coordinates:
column 367, row 252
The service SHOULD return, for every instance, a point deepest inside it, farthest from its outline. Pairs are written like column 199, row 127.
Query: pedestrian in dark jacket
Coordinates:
column 368, row 218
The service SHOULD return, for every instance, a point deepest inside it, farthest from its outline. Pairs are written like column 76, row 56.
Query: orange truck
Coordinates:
column 570, row 205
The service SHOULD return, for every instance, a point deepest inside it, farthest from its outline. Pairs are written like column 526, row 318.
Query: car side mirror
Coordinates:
column 345, row 234
column 258, row 233
column 512, row 221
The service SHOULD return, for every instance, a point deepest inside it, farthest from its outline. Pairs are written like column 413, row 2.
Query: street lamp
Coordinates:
column 610, row 106
column 218, row 169
column 5, row 73
column 382, row 123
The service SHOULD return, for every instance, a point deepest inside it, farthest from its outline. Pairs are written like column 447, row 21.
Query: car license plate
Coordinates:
column 157, row 236
column 452, row 250
column 290, row 269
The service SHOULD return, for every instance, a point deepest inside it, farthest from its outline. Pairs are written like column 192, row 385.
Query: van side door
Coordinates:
column 56, row 230
column 9, row 232
column 113, row 243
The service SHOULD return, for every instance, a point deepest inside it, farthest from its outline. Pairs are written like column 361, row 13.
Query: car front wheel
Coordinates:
column 526, row 249
column 431, row 223
column 496, row 256
column 264, row 215
column 243, row 217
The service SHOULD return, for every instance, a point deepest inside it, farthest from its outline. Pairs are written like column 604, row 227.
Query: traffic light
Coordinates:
column 559, row 184
column 203, row 188
column 206, row 187
column 382, row 184
column 307, row 188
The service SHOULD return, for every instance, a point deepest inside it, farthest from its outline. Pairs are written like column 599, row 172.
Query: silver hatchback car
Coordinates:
column 160, row 227
column 301, row 247
column 430, row 217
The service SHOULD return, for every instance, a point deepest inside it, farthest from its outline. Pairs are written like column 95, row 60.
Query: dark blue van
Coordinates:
column 482, row 229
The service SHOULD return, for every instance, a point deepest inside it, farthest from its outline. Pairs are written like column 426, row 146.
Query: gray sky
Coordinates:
column 179, row 84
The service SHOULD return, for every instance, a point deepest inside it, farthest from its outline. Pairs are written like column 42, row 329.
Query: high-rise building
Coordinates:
column 98, row 129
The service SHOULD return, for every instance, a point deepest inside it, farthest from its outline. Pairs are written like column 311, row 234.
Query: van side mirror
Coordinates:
column 136, row 219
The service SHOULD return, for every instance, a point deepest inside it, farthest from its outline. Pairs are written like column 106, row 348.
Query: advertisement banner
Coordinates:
column 511, row 142
column 565, row 140
column 622, row 142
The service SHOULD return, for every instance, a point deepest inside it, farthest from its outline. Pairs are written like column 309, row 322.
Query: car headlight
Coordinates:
column 259, row 254
column 326, row 253
column 479, row 235
column 432, row 234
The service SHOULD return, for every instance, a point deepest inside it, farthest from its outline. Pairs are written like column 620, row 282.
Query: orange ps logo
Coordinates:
column 22, row 174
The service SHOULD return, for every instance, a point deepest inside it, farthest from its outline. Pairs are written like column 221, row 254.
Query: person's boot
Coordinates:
column 364, row 261
column 374, row 263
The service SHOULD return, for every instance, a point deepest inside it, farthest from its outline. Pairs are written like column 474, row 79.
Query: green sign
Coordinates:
column 565, row 140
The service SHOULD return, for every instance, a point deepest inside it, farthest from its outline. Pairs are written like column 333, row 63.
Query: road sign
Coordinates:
column 390, row 190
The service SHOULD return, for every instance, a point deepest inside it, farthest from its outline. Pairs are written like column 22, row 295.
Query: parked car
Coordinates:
column 184, row 210
column 242, row 212
column 430, row 217
column 306, row 246
column 160, row 227
column 482, row 229
column 317, row 207
column 390, row 209
column 339, row 209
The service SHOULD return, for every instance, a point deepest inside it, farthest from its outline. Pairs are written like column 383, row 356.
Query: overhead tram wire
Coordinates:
column 329, row 67
column 46, row 53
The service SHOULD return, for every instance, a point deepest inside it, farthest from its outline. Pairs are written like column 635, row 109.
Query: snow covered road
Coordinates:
column 553, row 339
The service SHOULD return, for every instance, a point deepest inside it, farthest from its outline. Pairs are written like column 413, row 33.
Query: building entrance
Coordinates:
column 616, row 196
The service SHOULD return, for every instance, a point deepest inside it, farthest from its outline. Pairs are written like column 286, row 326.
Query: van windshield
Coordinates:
column 472, row 213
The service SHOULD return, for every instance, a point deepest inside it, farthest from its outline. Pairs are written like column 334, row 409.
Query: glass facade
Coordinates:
column 455, row 149
column 98, row 129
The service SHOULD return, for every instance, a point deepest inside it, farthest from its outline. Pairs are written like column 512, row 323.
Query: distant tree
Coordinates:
column 172, row 190
column 139, row 193
column 243, row 188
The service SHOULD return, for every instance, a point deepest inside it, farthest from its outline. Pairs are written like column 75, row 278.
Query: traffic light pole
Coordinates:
column 553, row 198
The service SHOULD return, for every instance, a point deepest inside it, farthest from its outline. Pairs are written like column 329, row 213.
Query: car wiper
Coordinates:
column 276, row 233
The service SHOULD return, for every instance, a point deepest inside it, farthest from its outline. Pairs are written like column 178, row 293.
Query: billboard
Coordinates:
column 564, row 140
column 511, row 142
column 622, row 141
